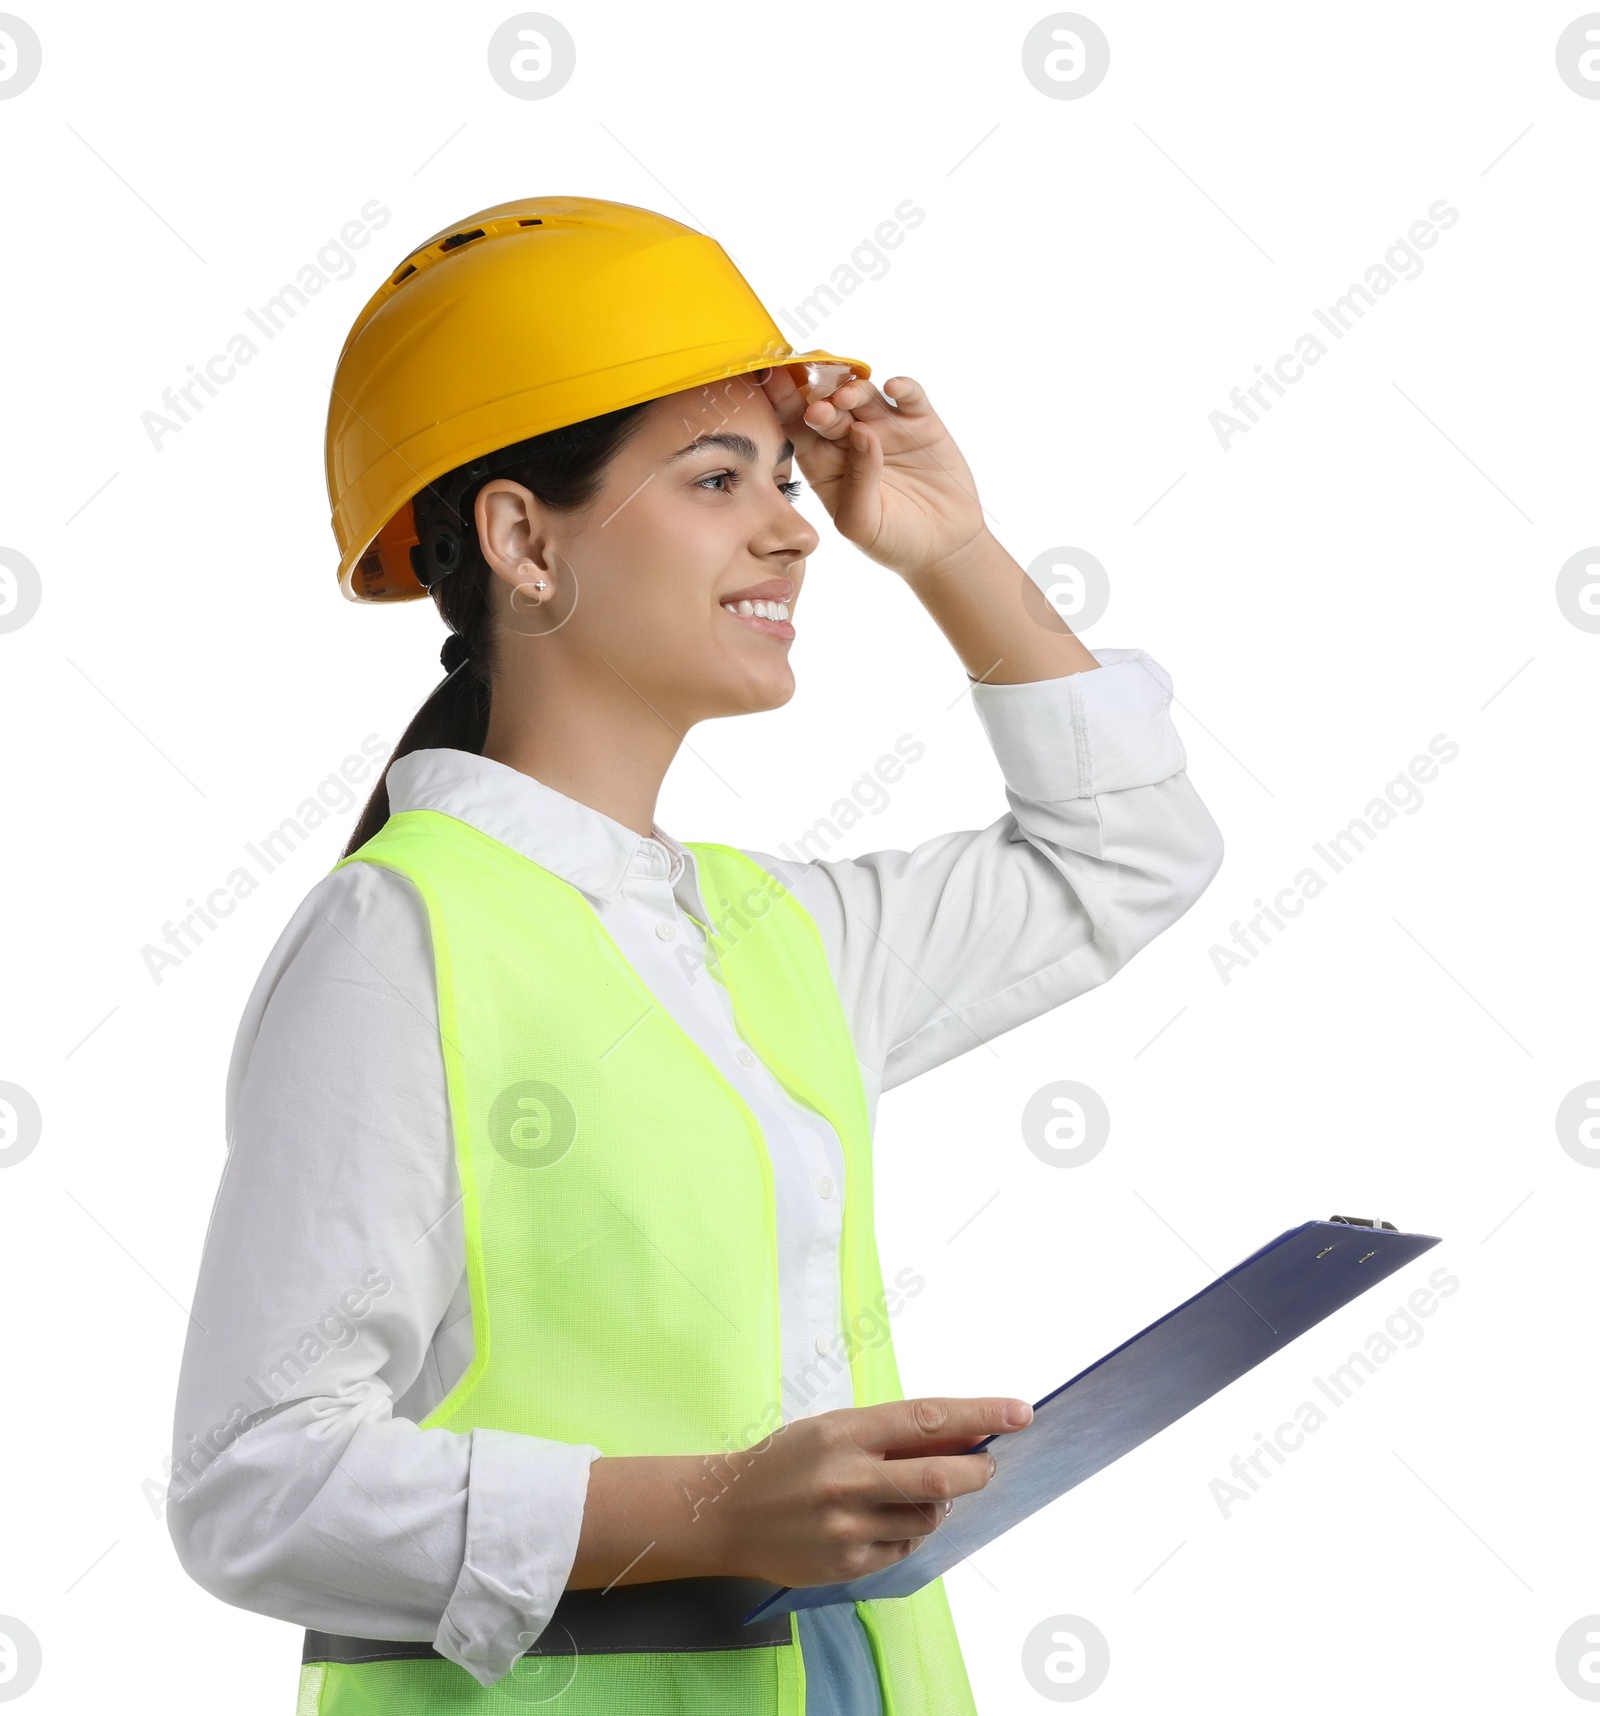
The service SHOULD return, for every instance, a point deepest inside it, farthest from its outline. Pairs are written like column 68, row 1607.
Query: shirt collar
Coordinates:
column 584, row 846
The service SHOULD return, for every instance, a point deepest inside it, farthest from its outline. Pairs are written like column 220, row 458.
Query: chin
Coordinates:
column 771, row 691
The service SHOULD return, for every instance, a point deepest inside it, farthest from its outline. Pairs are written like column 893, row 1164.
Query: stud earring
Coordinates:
column 538, row 583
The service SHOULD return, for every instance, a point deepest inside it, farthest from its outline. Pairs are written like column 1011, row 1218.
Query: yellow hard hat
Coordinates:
column 522, row 318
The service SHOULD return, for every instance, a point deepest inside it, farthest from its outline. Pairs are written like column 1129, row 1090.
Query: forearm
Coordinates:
column 326, row 1517
column 997, row 619
column 651, row 1516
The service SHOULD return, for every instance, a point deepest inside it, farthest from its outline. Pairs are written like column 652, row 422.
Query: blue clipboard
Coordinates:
column 1150, row 1381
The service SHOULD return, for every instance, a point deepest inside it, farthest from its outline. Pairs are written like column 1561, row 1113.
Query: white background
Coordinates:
column 1373, row 564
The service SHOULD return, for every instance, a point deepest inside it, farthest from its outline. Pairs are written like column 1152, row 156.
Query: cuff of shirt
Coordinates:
column 525, row 1498
column 1100, row 730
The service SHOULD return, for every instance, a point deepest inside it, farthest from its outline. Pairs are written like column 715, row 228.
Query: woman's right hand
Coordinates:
column 841, row 1494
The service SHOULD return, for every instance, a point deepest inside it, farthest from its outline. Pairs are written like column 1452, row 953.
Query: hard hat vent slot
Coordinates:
column 453, row 242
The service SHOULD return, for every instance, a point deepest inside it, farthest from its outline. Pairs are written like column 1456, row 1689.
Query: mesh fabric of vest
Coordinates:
column 621, row 1241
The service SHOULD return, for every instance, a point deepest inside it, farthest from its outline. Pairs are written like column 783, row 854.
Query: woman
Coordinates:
column 540, row 1330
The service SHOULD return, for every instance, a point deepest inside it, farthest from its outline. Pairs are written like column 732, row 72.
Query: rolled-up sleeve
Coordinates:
column 301, row 1485
column 941, row 948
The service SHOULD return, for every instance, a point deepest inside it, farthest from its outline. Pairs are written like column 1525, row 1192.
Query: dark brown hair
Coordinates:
column 564, row 468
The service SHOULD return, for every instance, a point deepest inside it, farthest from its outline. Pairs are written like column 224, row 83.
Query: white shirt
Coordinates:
column 336, row 1241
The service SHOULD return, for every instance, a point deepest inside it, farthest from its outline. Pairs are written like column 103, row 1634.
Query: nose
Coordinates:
column 793, row 534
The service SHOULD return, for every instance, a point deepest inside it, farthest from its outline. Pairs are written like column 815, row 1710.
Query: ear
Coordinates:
column 511, row 526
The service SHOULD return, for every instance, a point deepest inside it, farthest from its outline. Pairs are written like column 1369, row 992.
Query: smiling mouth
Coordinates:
column 769, row 617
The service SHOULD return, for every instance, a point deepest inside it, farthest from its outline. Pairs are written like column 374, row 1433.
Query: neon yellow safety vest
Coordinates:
column 621, row 1241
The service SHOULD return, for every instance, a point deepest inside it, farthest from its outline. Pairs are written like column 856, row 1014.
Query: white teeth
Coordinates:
column 764, row 610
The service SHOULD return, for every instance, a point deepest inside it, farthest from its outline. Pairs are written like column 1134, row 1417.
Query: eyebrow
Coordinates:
column 741, row 446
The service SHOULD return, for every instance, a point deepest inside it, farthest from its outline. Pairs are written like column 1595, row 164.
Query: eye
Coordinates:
column 788, row 490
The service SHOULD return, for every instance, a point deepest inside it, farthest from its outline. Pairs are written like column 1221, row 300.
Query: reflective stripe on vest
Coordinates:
column 654, row 1615
column 621, row 1240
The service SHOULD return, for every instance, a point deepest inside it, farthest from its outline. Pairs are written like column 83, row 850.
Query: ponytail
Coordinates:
column 564, row 468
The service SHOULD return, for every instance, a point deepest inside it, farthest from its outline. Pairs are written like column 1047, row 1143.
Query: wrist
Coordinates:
column 708, row 1540
column 974, row 552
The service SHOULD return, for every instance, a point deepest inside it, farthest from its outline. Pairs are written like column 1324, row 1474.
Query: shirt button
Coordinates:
column 666, row 931
column 822, row 1343
column 825, row 1187
column 748, row 1058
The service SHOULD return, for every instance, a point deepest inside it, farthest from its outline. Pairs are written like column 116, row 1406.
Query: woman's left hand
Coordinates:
column 892, row 479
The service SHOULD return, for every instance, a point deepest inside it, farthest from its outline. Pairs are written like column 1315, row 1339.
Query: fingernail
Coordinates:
column 1018, row 1412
